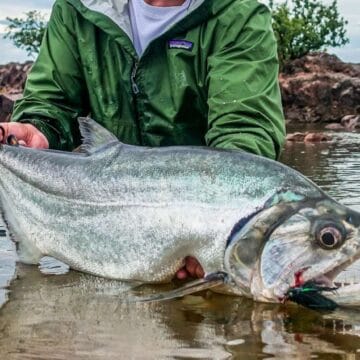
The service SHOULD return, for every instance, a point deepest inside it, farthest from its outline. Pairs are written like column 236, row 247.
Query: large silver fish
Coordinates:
column 124, row 212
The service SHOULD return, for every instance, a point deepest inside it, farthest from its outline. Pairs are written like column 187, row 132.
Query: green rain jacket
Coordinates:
column 211, row 79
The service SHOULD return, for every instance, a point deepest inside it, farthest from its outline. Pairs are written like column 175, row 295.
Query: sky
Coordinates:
column 349, row 9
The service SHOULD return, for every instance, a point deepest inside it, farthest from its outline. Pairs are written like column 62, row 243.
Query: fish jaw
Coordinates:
column 299, row 249
column 347, row 284
column 346, row 295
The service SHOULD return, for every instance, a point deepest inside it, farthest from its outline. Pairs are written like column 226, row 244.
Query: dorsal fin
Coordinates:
column 93, row 135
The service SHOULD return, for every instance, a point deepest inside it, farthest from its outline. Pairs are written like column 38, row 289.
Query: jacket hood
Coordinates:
column 118, row 12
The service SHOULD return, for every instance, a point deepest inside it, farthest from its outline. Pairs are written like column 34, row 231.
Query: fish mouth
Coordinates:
column 323, row 291
column 336, row 277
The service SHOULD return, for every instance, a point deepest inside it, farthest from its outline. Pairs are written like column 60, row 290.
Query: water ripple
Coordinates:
column 334, row 166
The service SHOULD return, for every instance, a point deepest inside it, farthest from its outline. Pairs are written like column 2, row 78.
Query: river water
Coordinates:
column 77, row 316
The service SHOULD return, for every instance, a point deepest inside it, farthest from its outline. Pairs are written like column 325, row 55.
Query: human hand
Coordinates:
column 192, row 268
column 26, row 134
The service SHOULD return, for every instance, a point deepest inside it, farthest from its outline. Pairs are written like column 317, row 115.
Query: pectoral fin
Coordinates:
column 209, row 281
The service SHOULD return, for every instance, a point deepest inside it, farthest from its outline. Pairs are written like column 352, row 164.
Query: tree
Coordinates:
column 27, row 33
column 305, row 26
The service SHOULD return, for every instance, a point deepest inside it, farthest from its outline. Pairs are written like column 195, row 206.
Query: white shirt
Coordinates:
column 149, row 22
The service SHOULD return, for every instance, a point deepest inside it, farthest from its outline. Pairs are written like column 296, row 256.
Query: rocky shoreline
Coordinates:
column 320, row 88
column 317, row 88
column 12, row 81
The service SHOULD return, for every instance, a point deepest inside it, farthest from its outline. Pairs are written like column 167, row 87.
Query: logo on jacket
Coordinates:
column 180, row 44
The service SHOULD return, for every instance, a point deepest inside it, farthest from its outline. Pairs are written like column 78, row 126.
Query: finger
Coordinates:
column 182, row 274
column 199, row 271
column 3, row 133
column 35, row 138
column 38, row 141
column 193, row 267
column 190, row 265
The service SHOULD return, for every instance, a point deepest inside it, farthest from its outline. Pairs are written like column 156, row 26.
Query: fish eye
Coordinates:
column 329, row 237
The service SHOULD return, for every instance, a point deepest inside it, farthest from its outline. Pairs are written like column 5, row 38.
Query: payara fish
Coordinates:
column 258, row 228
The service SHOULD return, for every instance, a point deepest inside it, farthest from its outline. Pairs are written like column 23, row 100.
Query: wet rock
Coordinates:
column 351, row 122
column 320, row 88
column 297, row 136
column 317, row 137
column 13, row 77
column 12, row 81
column 334, row 127
column 308, row 137
column 6, row 105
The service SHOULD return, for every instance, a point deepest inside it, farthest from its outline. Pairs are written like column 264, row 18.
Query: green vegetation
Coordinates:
column 304, row 26
column 27, row 33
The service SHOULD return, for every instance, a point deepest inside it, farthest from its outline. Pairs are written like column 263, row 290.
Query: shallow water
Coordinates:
column 77, row 316
column 335, row 166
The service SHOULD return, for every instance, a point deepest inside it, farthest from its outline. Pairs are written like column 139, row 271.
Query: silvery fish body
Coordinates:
column 134, row 213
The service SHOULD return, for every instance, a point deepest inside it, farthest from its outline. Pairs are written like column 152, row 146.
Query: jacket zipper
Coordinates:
column 134, row 86
column 135, row 90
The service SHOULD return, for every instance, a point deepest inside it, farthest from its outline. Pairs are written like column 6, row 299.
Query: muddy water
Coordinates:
column 77, row 316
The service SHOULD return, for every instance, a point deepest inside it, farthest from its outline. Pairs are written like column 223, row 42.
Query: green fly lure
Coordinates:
column 310, row 295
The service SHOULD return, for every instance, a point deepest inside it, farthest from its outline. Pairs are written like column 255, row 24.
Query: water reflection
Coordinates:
column 80, row 316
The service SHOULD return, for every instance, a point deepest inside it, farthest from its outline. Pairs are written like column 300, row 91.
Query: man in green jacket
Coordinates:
column 156, row 73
